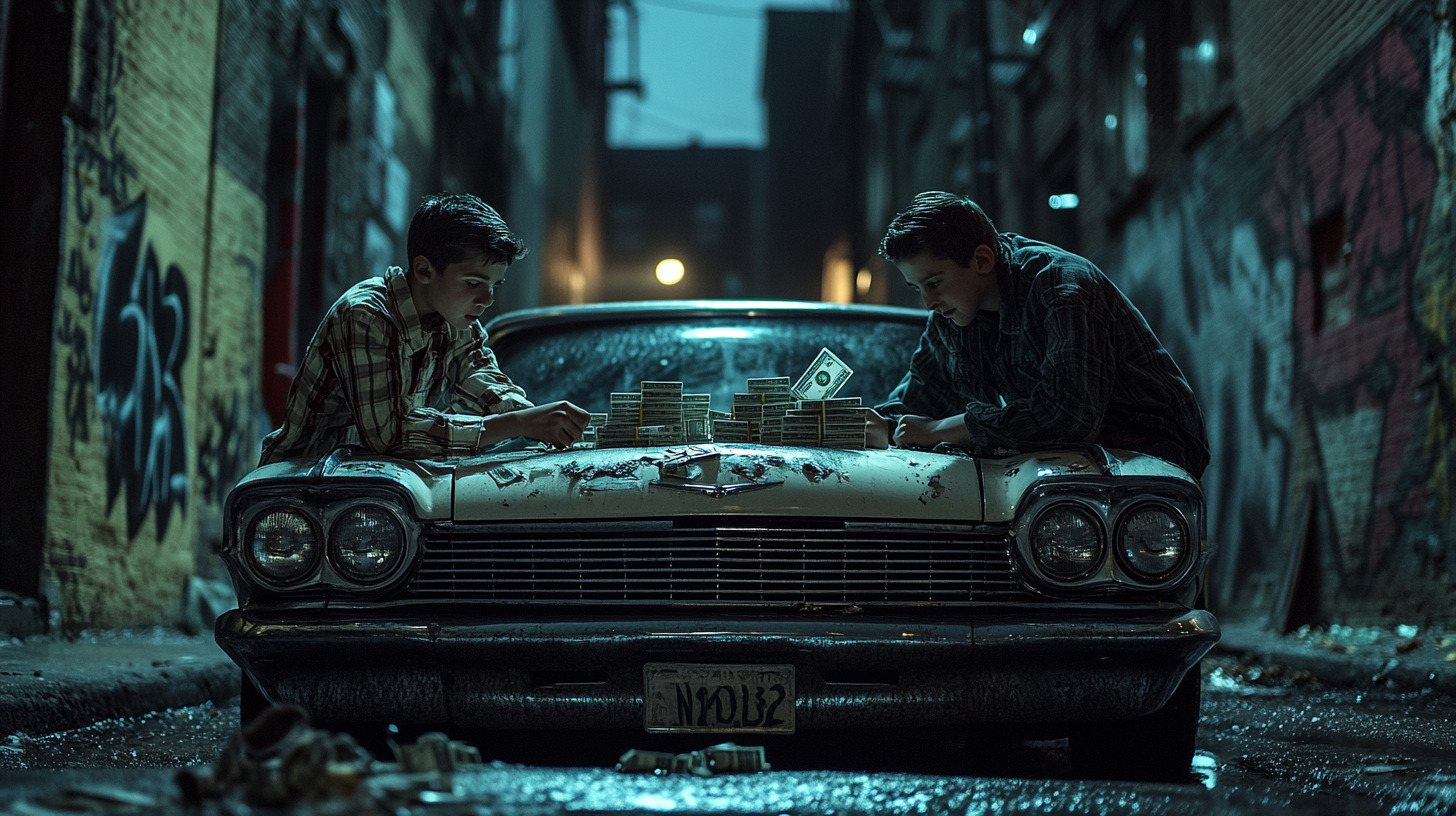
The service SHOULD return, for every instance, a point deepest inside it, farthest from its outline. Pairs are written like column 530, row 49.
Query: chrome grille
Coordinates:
column 750, row 561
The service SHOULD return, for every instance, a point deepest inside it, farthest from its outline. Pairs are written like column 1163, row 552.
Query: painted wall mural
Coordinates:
column 1307, row 364
column 142, row 331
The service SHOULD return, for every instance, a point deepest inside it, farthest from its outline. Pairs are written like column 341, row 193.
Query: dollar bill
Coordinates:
column 824, row 377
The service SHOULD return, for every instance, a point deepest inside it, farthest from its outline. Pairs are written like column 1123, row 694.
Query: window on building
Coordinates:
column 708, row 218
column 1205, row 66
column 1331, row 253
column 624, row 225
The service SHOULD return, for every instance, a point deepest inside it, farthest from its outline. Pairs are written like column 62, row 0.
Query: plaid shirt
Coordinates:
column 1068, row 359
column 376, row 375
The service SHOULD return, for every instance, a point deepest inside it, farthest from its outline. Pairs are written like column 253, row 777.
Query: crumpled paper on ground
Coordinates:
column 726, row 758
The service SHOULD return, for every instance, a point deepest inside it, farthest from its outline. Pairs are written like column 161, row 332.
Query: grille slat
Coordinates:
column 734, row 561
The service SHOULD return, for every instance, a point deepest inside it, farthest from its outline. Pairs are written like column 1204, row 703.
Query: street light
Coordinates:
column 669, row 271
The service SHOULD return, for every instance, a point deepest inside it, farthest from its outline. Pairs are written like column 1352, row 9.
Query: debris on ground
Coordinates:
column 279, row 760
column 726, row 758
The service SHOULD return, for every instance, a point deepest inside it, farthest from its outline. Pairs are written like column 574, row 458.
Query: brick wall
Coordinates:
column 121, row 516
column 1297, row 263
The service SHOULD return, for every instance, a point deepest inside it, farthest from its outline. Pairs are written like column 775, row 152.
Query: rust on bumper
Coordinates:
column 965, row 667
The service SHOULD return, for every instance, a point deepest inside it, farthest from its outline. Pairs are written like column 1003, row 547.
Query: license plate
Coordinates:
column 719, row 698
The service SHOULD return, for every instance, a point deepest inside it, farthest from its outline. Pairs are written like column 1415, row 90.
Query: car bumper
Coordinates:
column 1022, row 666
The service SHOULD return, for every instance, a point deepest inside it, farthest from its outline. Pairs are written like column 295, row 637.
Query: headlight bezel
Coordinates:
column 1120, row 533
column 339, row 515
column 322, row 507
column 250, row 528
column 1098, row 528
column 1112, row 500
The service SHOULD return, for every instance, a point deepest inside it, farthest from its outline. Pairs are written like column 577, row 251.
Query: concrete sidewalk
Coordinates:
column 1408, row 658
column 50, row 684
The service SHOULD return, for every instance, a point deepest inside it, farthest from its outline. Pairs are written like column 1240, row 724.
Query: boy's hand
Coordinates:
column 558, row 424
column 877, row 430
column 924, row 432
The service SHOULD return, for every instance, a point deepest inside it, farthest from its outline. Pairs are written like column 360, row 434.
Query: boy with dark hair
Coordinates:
column 1028, row 347
column 399, row 364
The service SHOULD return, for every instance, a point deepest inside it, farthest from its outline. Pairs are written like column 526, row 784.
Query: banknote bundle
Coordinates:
column 839, row 423
column 730, row 430
column 696, row 426
column 777, row 400
column 620, row 429
column 595, row 422
column 662, row 413
column 748, row 409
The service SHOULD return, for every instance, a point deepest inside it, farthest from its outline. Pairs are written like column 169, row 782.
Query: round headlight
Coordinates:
column 283, row 545
column 1067, row 541
column 1153, row 542
column 366, row 544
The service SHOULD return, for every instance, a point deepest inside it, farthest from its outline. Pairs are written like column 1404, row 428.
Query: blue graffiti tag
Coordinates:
column 141, row 343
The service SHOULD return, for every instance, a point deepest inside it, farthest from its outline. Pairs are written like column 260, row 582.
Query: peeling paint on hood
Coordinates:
column 784, row 481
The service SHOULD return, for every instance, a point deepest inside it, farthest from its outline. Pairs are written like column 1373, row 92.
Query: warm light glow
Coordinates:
column 862, row 282
column 670, row 271
column 838, row 280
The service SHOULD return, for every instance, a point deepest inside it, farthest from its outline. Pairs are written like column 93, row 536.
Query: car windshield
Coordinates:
column 709, row 353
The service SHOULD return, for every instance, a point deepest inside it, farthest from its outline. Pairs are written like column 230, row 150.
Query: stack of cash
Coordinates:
column 777, row 400
column 841, row 421
column 594, row 424
column 800, row 428
column 749, row 408
column 730, row 430
column 662, row 407
column 659, row 435
column 620, row 429
column 695, row 417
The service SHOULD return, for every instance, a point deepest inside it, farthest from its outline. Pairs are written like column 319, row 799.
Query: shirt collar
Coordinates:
column 416, row 334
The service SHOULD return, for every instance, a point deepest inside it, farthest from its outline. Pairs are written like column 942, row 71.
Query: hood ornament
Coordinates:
column 715, row 490
column 695, row 470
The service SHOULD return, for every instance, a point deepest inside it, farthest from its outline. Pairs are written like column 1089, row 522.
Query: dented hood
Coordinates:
column 719, row 479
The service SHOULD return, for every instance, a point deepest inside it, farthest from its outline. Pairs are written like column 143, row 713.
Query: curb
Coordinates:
column 57, row 686
column 1376, row 667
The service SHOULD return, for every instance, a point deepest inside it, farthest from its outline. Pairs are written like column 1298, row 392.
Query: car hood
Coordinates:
column 715, row 479
column 718, row 479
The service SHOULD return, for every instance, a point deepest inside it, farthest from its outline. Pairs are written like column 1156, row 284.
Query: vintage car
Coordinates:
column 738, row 590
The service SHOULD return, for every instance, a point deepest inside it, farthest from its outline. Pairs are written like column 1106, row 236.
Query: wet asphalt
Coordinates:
column 1270, row 741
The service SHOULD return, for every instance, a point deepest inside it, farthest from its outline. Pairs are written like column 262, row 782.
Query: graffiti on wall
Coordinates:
column 141, row 344
column 229, row 446
column 123, row 318
column 1358, row 150
column 73, row 342
column 1242, row 307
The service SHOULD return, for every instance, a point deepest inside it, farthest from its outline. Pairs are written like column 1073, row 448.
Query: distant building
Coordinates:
column 693, row 204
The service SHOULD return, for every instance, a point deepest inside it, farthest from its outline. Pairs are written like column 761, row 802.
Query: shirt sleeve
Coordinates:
column 370, row 366
column 477, row 385
column 927, row 388
column 1075, row 368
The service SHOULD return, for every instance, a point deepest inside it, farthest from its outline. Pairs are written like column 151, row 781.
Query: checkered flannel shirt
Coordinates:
column 376, row 375
column 1068, row 359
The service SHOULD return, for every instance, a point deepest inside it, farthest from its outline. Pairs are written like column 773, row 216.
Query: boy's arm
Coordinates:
column 477, row 385
column 926, row 388
column 368, row 354
column 1077, row 370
